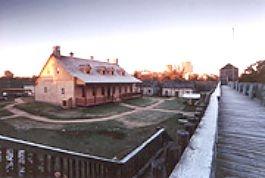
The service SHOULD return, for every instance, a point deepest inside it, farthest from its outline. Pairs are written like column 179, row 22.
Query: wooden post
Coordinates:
column 3, row 162
column 69, row 168
column 85, row 169
column 190, row 128
column 15, row 162
column 29, row 164
column 52, row 165
column 194, row 120
column 74, row 168
column 182, row 122
column 78, row 168
column 61, row 165
column 35, row 165
column 46, row 164
column 182, row 139
column 171, row 157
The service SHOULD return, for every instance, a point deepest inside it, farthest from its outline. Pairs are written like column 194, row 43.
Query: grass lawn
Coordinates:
column 174, row 104
column 4, row 112
column 56, row 112
column 4, row 103
column 145, row 118
column 145, row 101
column 106, row 139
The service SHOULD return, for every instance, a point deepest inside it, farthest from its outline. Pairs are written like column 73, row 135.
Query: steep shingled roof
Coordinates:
column 229, row 66
column 178, row 84
column 72, row 65
column 150, row 83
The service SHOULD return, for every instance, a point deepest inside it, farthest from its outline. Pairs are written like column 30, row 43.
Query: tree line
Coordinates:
column 254, row 73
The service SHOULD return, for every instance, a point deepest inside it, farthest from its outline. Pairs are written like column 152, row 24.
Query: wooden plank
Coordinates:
column 241, row 139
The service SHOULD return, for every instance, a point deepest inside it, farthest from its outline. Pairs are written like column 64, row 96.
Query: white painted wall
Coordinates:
column 173, row 91
column 148, row 91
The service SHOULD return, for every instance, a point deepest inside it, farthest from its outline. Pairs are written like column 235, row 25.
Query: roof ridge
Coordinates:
column 91, row 60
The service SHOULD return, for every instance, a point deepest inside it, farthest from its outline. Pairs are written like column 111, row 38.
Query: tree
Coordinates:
column 193, row 77
column 137, row 74
column 254, row 73
column 8, row 74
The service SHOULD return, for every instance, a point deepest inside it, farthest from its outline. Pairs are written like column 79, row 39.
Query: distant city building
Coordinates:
column 187, row 69
column 70, row 81
column 150, row 87
column 169, row 68
column 228, row 73
column 177, row 88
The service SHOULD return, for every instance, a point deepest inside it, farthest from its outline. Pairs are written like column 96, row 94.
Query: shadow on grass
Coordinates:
column 56, row 112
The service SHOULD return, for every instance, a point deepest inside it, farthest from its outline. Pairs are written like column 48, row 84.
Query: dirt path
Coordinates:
column 8, row 117
column 18, row 112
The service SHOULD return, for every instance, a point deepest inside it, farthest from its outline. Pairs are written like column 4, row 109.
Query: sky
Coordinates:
column 143, row 34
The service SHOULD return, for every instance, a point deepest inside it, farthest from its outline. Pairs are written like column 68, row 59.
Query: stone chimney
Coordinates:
column 117, row 61
column 92, row 57
column 56, row 51
column 107, row 60
column 71, row 54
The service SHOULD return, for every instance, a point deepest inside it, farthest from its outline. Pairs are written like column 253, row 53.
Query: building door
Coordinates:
column 83, row 91
column 109, row 93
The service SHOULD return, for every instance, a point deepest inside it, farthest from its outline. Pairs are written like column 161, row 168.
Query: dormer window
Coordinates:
column 85, row 68
column 110, row 71
column 121, row 72
column 101, row 70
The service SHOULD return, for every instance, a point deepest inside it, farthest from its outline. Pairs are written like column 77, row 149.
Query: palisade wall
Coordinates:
column 253, row 90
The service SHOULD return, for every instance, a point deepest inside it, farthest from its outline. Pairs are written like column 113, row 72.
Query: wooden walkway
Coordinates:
column 241, row 136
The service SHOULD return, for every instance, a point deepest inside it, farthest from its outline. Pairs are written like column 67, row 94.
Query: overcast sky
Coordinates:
column 143, row 34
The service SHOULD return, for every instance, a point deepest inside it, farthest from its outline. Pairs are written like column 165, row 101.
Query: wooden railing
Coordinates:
column 137, row 159
column 27, row 159
column 253, row 90
column 39, row 160
column 83, row 101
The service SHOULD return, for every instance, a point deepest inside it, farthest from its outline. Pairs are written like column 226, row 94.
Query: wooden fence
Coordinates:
column 20, row 158
column 253, row 90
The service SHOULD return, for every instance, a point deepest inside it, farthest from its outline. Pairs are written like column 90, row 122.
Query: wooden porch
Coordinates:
column 84, row 101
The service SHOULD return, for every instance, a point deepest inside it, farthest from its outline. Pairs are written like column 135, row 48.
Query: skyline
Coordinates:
column 143, row 35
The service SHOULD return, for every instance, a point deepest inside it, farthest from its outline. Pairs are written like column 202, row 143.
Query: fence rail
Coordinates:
column 253, row 90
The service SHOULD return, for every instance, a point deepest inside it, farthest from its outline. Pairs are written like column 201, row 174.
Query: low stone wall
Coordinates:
column 253, row 90
column 198, row 159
